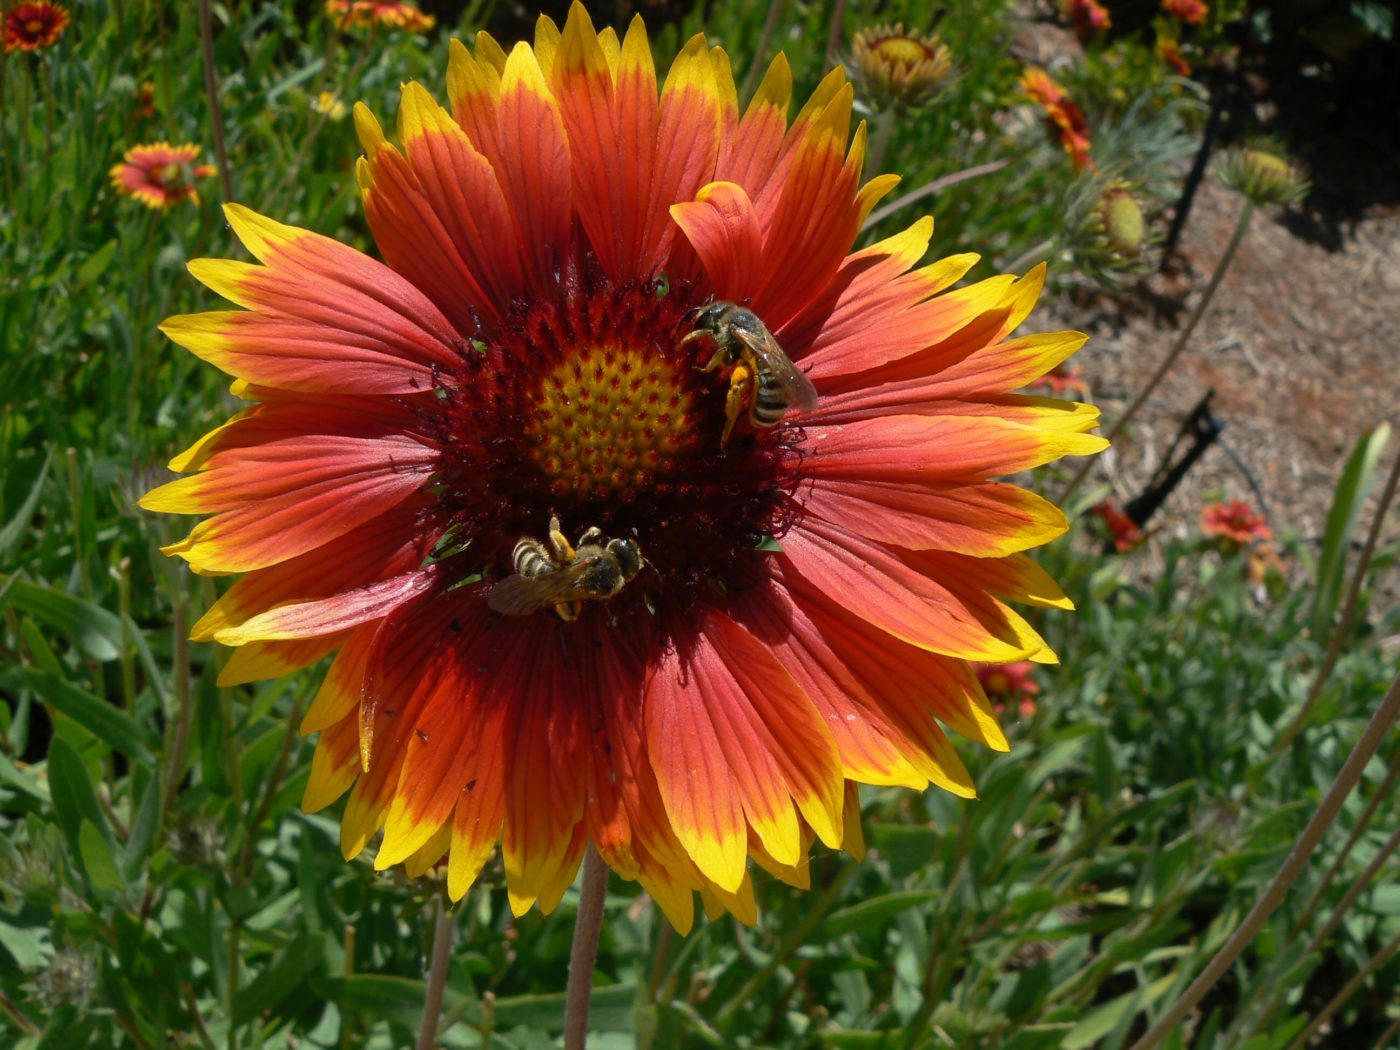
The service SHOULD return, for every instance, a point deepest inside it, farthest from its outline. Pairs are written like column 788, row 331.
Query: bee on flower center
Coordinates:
column 557, row 573
column 763, row 378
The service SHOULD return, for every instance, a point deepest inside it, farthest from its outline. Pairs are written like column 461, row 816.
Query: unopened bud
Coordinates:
column 1263, row 175
column 898, row 67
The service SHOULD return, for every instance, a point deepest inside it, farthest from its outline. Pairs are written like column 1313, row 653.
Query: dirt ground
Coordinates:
column 1301, row 346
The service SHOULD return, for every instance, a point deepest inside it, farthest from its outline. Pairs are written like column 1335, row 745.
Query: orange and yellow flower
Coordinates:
column 35, row 25
column 1192, row 11
column 160, row 175
column 1088, row 16
column 1235, row 522
column 1007, row 684
column 813, row 590
column 1066, row 119
column 362, row 13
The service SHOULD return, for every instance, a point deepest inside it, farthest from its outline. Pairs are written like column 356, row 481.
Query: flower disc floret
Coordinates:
column 514, row 391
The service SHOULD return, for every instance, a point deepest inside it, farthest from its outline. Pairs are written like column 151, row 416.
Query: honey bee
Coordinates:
column 557, row 574
column 764, row 378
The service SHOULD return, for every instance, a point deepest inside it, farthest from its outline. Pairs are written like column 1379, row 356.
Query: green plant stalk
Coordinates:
column 1343, row 628
column 791, row 943
column 437, row 976
column 348, row 948
column 211, row 87
column 588, row 927
column 760, row 51
column 1221, row 268
column 128, row 641
column 1297, row 859
column 834, row 35
column 178, row 739
column 1346, row 992
column 271, row 785
column 75, row 502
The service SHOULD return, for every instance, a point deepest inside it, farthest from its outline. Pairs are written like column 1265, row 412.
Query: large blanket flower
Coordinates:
column 808, row 593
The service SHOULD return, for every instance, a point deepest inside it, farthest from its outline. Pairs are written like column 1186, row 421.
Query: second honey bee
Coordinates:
column 764, row 378
column 556, row 573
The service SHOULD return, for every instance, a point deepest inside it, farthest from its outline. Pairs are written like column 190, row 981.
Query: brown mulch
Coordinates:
column 1301, row 347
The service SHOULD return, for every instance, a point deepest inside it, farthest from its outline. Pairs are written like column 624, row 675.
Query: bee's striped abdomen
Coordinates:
column 771, row 400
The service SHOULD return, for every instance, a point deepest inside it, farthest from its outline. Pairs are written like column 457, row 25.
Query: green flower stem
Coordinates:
column 1298, row 858
column 834, row 35
column 211, row 88
column 437, row 977
column 1221, row 267
column 880, row 137
column 588, row 926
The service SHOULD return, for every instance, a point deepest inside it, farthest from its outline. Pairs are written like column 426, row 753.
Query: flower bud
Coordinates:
column 1263, row 174
column 898, row 67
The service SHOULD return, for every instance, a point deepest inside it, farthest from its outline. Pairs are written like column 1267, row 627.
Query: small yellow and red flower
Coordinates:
column 35, row 25
column 1007, row 684
column 1088, row 16
column 1170, row 53
column 1122, row 530
column 144, row 99
column 160, row 175
column 521, row 369
column 894, row 66
column 358, row 14
column 1191, row 11
column 1235, row 522
column 1066, row 119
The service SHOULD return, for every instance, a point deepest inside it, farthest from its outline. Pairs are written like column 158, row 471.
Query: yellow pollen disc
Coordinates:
column 903, row 50
column 609, row 421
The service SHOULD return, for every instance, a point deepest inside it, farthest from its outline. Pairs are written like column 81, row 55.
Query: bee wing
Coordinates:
column 763, row 346
column 521, row 595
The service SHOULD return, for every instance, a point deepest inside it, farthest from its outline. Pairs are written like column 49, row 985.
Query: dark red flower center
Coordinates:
column 587, row 405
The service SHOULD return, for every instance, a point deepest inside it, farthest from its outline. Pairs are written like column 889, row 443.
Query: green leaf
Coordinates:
column 26, row 945
column 1358, row 476
column 96, row 263
column 91, row 628
column 74, row 800
column 1098, row 1023
column 99, row 860
column 108, row 723
column 143, row 829
column 283, row 976
column 872, row 912
column 14, row 529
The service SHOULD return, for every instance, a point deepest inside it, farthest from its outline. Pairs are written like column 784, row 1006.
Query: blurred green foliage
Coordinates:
column 159, row 886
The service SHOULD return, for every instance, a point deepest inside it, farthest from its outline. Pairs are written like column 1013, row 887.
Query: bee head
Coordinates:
column 710, row 316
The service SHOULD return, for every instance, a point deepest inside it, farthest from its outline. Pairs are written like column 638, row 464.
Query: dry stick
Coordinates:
column 437, row 977
column 765, row 38
column 1343, row 628
column 1297, row 859
column 1347, row 991
column 1388, row 1036
column 588, row 925
column 1220, row 268
column 211, row 88
column 834, row 35
column 928, row 189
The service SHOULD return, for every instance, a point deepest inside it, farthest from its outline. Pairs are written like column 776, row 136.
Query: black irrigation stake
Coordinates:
column 1203, row 429
column 1198, row 167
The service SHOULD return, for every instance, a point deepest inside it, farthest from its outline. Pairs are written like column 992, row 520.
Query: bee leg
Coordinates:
column 568, row 611
column 740, row 392
column 719, row 359
column 558, row 543
column 594, row 535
